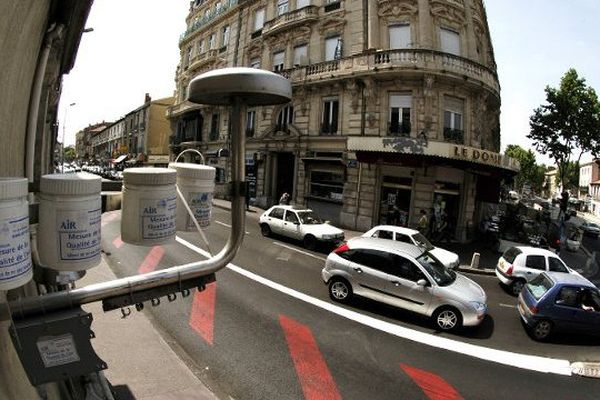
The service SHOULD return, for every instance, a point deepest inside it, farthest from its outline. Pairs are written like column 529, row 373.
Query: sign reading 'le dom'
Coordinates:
column 477, row 155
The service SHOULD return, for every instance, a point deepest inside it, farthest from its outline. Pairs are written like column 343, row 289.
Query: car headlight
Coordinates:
column 478, row 306
column 327, row 237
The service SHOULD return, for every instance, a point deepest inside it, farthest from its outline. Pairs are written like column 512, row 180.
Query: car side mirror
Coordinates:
column 422, row 282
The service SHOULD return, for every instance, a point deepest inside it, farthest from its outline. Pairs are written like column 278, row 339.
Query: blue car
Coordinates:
column 556, row 301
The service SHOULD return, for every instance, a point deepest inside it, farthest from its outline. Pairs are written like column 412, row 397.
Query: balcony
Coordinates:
column 207, row 19
column 290, row 19
column 454, row 135
column 397, row 61
column 399, row 129
column 202, row 59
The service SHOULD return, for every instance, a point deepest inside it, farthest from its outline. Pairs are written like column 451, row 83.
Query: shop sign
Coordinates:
column 477, row 155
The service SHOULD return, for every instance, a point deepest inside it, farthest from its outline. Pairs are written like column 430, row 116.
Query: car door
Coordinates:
column 587, row 314
column 404, row 275
column 275, row 220
column 565, row 310
column 366, row 269
column 291, row 225
column 555, row 264
column 534, row 265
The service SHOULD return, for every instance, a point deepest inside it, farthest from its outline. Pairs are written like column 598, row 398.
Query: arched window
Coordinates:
column 285, row 117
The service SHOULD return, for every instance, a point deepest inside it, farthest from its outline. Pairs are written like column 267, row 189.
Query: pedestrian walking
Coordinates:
column 423, row 223
column 284, row 199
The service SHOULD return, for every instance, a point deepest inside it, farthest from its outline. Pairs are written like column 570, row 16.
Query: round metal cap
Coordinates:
column 255, row 87
column 13, row 188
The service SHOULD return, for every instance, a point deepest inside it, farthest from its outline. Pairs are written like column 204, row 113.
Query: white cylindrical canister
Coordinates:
column 149, row 206
column 69, row 227
column 197, row 184
column 15, row 249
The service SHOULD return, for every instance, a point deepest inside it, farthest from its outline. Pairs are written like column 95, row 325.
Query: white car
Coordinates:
column 411, row 236
column 300, row 224
column 520, row 264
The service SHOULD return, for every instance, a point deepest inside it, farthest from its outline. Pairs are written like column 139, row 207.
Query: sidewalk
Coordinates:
column 141, row 365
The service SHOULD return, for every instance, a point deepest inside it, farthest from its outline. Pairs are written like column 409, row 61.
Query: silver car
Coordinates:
column 404, row 276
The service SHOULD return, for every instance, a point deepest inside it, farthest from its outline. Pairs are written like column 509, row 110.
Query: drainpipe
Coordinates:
column 54, row 33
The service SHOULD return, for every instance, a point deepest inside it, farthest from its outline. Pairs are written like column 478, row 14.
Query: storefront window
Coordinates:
column 395, row 200
column 327, row 185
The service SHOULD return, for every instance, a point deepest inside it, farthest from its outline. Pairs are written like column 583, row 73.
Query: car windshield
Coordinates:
column 539, row 286
column 442, row 275
column 592, row 225
column 422, row 242
column 309, row 218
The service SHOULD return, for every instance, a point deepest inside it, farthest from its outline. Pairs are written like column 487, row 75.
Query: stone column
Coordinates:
column 373, row 25
column 471, row 41
column 425, row 25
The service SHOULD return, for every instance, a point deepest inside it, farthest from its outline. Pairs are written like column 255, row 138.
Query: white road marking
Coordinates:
column 300, row 251
column 508, row 305
column 524, row 361
column 228, row 226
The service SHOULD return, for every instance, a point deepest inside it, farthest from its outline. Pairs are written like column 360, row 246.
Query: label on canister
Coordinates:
column 79, row 234
column 15, row 252
column 201, row 204
column 158, row 217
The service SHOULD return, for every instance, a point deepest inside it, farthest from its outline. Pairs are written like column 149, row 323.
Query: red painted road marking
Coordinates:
column 434, row 387
column 315, row 378
column 152, row 259
column 106, row 218
column 118, row 242
column 202, row 317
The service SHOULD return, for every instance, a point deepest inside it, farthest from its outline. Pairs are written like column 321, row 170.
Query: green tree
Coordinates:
column 530, row 173
column 69, row 154
column 568, row 125
column 571, row 178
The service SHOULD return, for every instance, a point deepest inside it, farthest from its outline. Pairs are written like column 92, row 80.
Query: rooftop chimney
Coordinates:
column 147, row 99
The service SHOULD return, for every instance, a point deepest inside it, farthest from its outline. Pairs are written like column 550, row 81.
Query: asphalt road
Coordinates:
column 276, row 334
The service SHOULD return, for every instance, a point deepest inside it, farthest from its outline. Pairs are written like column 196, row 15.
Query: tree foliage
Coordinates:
column 70, row 154
column 569, row 124
column 531, row 173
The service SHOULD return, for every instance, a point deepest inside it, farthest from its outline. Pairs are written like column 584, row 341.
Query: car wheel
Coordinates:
column 447, row 319
column 310, row 242
column 265, row 230
column 340, row 290
column 541, row 330
column 517, row 286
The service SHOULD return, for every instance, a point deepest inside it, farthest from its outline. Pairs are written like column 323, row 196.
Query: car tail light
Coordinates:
column 533, row 309
column 510, row 270
column 342, row 249
column 557, row 243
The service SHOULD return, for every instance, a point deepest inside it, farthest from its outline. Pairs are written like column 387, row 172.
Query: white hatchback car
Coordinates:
column 411, row 236
column 520, row 264
column 301, row 224
column 405, row 276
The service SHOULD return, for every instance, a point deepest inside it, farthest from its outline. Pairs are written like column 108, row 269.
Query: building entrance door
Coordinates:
column 285, row 181
column 394, row 204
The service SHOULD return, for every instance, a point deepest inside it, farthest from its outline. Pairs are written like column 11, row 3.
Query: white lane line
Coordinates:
column 523, row 361
column 228, row 226
column 300, row 251
column 507, row 305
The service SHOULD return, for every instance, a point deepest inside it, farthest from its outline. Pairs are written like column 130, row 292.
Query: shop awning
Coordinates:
column 120, row 158
column 416, row 152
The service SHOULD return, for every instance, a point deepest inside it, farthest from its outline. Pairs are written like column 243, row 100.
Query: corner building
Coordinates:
column 395, row 106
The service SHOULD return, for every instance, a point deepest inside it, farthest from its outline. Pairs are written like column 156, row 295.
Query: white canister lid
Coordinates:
column 194, row 171
column 13, row 188
column 80, row 183
column 149, row 176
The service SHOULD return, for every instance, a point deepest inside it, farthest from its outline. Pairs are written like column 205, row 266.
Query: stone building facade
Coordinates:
column 395, row 106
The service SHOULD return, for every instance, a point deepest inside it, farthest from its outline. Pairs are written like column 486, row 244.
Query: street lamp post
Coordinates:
column 62, row 155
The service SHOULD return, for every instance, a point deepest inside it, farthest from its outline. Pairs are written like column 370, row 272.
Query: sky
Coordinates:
column 133, row 50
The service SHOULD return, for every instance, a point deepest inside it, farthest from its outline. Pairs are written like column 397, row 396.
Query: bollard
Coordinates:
column 475, row 261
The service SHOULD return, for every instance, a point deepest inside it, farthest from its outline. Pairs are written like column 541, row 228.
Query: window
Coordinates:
column 278, row 60
column 291, row 216
column 211, row 41
column 453, row 119
column 214, row 127
column 405, row 269
column 255, row 63
column 188, row 57
column 302, row 3
column 259, row 19
column 510, row 254
column 536, row 262
column 327, row 185
column 383, row 234
column 375, row 259
column 332, row 5
column 225, row 36
column 400, row 237
column 250, row 122
column 568, row 296
column 450, row 41
column 556, row 265
column 301, row 55
column 400, row 36
column 201, row 46
column 329, row 122
column 282, row 6
column 333, row 48
column 400, row 105
column 285, row 117
column 277, row 213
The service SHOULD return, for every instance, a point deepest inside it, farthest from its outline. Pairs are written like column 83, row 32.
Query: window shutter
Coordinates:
column 259, row 19
column 400, row 101
column 330, row 46
column 302, row 3
column 300, row 54
column 450, row 41
column 400, row 36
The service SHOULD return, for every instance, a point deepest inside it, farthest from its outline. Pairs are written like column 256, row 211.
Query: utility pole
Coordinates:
column 62, row 155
